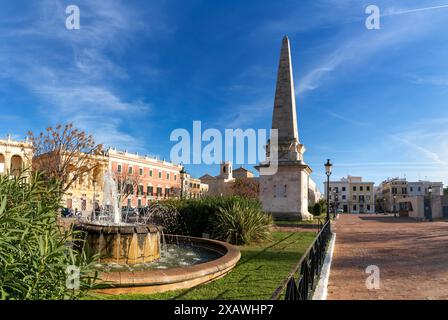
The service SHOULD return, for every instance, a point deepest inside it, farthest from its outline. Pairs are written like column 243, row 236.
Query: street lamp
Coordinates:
column 94, row 200
column 182, row 177
column 395, row 206
column 328, row 166
column 430, row 208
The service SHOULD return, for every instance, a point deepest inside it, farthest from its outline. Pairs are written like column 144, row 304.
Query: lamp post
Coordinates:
column 395, row 206
column 94, row 200
column 182, row 177
column 430, row 208
column 328, row 166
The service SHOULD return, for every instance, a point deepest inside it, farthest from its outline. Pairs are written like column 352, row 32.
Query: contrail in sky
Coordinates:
column 415, row 10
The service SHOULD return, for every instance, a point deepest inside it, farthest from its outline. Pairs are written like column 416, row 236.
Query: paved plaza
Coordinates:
column 412, row 258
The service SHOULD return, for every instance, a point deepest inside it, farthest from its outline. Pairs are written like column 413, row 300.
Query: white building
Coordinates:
column 420, row 188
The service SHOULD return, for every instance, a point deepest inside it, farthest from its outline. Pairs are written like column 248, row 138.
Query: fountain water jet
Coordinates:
column 110, row 197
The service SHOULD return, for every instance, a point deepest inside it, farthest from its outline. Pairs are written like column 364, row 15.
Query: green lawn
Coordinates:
column 260, row 271
column 300, row 222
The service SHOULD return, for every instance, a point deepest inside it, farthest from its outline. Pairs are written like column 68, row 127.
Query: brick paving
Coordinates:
column 412, row 258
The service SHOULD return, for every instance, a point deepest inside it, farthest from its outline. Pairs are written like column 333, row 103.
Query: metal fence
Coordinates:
column 302, row 281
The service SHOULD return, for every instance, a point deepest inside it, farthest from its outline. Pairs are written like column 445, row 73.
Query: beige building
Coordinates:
column 424, row 207
column 15, row 155
column 392, row 191
column 192, row 188
column 222, row 184
column 352, row 195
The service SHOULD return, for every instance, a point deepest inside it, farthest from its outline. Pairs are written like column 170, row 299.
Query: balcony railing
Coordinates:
column 302, row 281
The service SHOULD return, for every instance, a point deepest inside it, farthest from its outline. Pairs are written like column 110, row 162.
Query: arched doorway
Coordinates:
column 2, row 163
column 16, row 165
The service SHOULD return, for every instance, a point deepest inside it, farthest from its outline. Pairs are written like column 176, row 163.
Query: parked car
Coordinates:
column 67, row 212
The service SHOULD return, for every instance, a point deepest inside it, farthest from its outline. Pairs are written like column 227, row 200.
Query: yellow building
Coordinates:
column 15, row 155
column 88, row 184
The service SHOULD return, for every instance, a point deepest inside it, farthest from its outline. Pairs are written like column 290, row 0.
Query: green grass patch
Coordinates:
column 260, row 271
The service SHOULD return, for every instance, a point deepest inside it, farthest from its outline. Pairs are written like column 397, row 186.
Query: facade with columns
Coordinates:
column 15, row 155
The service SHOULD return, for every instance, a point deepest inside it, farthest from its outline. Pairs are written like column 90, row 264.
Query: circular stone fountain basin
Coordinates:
column 124, row 244
column 157, row 277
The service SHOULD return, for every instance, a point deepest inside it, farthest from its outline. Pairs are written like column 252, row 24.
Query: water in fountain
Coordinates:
column 110, row 198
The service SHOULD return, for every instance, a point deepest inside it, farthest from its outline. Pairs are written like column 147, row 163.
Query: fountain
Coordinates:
column 140, row 257
column 116, row 241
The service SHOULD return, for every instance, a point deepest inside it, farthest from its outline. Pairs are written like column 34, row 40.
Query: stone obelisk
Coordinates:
column 284, row 191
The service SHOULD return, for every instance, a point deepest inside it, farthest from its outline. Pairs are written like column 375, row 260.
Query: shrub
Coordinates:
column 234, row 219
column 34, row 252
column 242, row 221
column 317, row 209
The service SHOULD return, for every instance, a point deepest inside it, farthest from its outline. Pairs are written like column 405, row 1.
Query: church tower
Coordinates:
column 284, row 193
column 226, row 172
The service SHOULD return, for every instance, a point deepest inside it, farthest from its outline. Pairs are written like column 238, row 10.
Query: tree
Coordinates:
column 65, row 153
column 127, row 184
column 317, row 209
column 246, row 187
column 39, row 259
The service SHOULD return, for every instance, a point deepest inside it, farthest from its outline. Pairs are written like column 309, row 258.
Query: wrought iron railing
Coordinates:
column 303, row 279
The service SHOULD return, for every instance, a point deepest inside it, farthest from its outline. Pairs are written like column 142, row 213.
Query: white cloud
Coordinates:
column 75, row 82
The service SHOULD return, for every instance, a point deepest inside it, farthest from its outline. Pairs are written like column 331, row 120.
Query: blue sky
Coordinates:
column 374, row 101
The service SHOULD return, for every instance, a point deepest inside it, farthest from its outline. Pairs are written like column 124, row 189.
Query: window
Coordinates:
column 130, row 189
column 412, row 189
column 343, row 197
column 149, row 190
column 119, row 168
column 140, row 171
column 167, row 176
column 175, row 177
column 361, row 188
column 167, row 192
column 343, row 188
column 419, row 189
column 368, row 188
column 160, row 174
column 368, row 207
column 150, row 173
column 159, row 191
column 354, row 188
column 139, row 203
column 354, row 207
column 354, row 198
column 140, row 189
column 130, row 170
